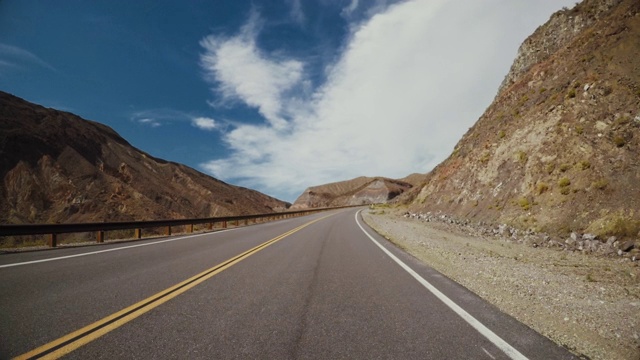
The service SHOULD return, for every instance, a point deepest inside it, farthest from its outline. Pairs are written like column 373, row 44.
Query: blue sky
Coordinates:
column 271, row 95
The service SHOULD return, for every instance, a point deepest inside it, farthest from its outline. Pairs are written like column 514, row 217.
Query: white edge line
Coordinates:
column 486, row 332
column 109, row 250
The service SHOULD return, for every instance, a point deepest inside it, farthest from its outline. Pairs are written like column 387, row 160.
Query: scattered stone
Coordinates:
column 627, row 246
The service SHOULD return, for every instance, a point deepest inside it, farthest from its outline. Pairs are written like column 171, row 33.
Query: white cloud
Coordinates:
column 204, row 123
column 242, row 71
column 163, row 116
column 409, row 83
column 150, row 122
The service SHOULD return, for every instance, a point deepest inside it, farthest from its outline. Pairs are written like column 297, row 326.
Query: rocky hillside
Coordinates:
column 58, row 168
column 559, row 148
column 358, row 191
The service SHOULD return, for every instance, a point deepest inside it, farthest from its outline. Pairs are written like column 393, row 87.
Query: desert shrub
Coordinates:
column 579, row 129
column 619, row 141
column 584, row 165
column 565, row 167
column 501, row 134
column 571, row 94
column 522, row 156
column 524, row 203
column 618, row 224
column 541, row 188
column 550, row 167
column 565, row 190
column 564, row 182
column 600, row 184
column 622, row 120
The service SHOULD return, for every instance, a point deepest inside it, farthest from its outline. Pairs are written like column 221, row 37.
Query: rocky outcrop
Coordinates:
column 558, row 150
column 563, row 27
column 58, row 168
column 358, row 191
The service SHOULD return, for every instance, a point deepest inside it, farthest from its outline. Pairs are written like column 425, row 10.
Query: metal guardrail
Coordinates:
column 99, row 228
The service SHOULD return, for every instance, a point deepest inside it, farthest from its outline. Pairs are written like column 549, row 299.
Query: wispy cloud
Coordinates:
column 396, row 101
column 159, row 117
column 241, row 71
column 204, row 123
column 150, row 122
column 296, row 12
column 16, row 57
column 349, row 9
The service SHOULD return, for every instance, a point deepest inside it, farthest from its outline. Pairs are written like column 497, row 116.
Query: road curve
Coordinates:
column 315, row 287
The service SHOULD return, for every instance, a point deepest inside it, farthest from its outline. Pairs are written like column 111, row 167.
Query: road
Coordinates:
column 323, row 286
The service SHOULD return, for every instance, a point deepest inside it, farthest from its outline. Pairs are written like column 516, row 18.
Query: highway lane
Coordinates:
column 325, row 291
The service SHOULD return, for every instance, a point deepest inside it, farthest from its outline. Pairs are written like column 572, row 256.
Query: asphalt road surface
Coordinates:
column 323, row 286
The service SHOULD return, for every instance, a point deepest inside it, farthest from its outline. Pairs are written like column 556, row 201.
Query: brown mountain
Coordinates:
column 58, row 167
column 558, row 150
column 358, row 191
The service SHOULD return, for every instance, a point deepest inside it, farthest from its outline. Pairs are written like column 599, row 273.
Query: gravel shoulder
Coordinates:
column 585, row 302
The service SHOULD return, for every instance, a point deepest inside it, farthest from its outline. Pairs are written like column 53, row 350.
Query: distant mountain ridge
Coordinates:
column 558, row 150
column 56, row 167
column 359, row 191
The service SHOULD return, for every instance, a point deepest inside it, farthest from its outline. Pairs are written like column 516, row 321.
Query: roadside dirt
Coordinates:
column 589, row 304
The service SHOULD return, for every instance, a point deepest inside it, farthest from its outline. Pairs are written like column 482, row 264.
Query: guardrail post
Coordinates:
column 168, row 230
column 237, row 223
column 53, row 240
column 138, row 234
column 190, row 228
column 100, row 236
column 210, row 226
column 224, row 224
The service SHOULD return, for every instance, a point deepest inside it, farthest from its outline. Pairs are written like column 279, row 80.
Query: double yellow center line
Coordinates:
column 76, row 339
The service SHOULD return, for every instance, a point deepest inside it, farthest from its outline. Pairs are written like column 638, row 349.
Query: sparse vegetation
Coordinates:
column 550, row 167
column 622, row 120
column 564, row 182
column 584, row 165
column 501, row 134
column 600, row 184
column 522, row 156
column 542, row 90
column 579, row 129
column 565, row 190
column 565, row 167
column 485, row 157
column 524, row 203
column 571, row 94
column 619, row 224
column 541, row 188
column 619, row 141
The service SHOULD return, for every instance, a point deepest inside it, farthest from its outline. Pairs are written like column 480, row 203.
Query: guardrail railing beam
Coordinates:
column 52, row 230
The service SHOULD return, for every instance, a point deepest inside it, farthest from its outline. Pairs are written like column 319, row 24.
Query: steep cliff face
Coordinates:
column 563, row 27
column 57, row 167
column 358, row 191
column 559, row 148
